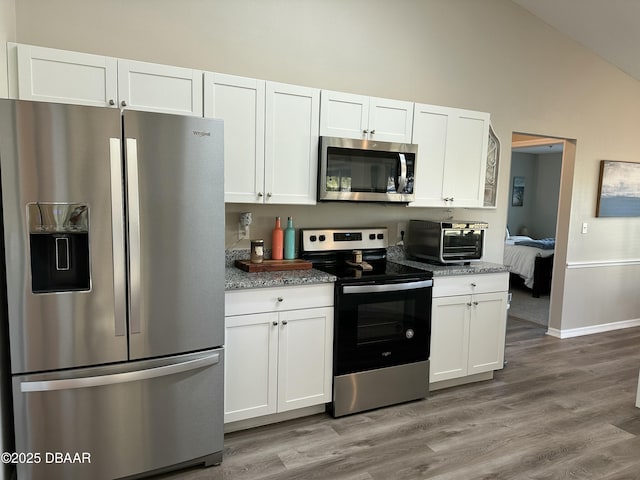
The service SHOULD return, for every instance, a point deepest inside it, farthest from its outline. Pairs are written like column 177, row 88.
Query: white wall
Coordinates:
column 547, row 188
column 482, row 55
column 542, row 185
column 522, row 165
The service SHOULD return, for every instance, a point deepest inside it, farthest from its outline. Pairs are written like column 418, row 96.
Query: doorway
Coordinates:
column 532, row 221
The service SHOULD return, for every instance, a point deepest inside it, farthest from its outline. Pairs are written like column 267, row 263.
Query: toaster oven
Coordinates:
column 445, row 242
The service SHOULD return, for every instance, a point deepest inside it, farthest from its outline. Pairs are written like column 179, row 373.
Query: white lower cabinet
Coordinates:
column 278, row 355
column 468, row 325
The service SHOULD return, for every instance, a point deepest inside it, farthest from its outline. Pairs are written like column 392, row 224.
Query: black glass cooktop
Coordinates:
column 381, row 270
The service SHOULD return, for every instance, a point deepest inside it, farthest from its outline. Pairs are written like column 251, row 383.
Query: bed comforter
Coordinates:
column 520, row 259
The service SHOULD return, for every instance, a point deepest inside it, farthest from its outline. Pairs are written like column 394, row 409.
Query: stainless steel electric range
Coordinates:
column 382, row 319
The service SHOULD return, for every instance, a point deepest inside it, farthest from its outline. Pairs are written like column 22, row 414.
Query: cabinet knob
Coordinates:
column 365, row 131
column 269, row 194
column 284, row 322
column 280, row 299
column 112, row 101
column 260, row 194
column 373, row 132
column 123, row 103
column 275, row 324
column 468, row 304
column 475, row 303
column 473, row 284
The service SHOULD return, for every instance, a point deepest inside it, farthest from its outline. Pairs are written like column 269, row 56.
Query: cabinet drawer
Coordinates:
column 470, row 284
column 256, row 300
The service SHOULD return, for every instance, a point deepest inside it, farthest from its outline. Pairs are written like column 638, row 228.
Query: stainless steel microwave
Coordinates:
column 366, row 170
column 445, row 242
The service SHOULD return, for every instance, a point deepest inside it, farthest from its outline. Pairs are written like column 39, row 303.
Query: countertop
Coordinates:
column 234, row 278
column 239, row 279
column 449, row 270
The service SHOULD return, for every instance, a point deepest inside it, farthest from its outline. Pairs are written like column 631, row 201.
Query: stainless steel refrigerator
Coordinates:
column 113, row 229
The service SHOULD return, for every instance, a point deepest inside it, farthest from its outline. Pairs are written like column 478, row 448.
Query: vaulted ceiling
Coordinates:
column 610, row 28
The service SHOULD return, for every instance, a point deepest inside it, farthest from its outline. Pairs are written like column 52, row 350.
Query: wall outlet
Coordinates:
column 402, row 231
column 585, row 227
column 243, row 225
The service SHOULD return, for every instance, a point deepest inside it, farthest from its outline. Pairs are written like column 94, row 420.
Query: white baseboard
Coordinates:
column 604, row 327
column 274, row 418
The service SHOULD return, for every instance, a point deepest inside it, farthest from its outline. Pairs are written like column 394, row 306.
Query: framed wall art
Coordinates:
column 517, row 194
column 619, row 189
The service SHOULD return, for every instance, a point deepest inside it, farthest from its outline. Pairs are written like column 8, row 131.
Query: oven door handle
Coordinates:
column 392, row 287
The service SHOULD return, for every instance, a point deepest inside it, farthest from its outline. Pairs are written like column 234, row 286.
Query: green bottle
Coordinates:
column 289, row 240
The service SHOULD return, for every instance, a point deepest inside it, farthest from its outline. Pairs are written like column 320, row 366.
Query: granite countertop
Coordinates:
column 235, row 278
column 449, row 270
column 396, row 254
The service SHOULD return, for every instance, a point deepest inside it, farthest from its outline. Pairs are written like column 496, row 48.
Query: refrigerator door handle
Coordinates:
column 135, row 376
column 133, row 204
column 117, row 229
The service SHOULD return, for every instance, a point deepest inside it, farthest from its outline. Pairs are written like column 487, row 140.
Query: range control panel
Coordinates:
column 320, row 240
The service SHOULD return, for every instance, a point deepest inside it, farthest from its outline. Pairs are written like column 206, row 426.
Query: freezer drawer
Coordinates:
column 128, row 418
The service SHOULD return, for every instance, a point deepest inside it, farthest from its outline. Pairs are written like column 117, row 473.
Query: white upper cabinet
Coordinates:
column 291, row 143
column 239, row 101
column 61, row 76
column 159, row 88
column 271, row 138
column 452, row 155
column 348, row 115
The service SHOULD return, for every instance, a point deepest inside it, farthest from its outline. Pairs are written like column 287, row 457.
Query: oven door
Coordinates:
column 382, row 324
column 462, row 244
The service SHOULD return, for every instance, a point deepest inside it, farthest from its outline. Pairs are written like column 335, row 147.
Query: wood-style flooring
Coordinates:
column 560, row 409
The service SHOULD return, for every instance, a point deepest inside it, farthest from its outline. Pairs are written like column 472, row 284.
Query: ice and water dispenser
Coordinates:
column 59, row 240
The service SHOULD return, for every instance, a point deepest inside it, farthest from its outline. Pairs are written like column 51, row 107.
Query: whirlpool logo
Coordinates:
column 199, row 133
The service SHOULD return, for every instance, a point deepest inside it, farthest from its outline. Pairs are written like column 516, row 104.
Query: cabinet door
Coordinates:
column 61, row 76
column 239, row 101
column 250, row 366
column 159, row 88
column 305, row 358
column 343, row 114
column 449, row 337
column 465, row 164
column 291, row 143
column 487, row 332
column 430, row 127
column 390, row 120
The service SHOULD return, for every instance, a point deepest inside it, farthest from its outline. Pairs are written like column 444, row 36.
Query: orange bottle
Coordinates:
column 277, row 241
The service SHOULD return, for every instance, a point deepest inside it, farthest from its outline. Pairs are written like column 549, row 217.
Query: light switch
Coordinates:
column 585, row 227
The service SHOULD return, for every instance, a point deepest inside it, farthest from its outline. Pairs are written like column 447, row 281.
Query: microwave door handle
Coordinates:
column 402, row 181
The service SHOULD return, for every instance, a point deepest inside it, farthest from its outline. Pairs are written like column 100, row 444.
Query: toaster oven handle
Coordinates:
column 402, row 181
column 389, row 287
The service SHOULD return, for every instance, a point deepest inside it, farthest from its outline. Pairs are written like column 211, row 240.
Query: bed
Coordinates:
column 530, row 262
